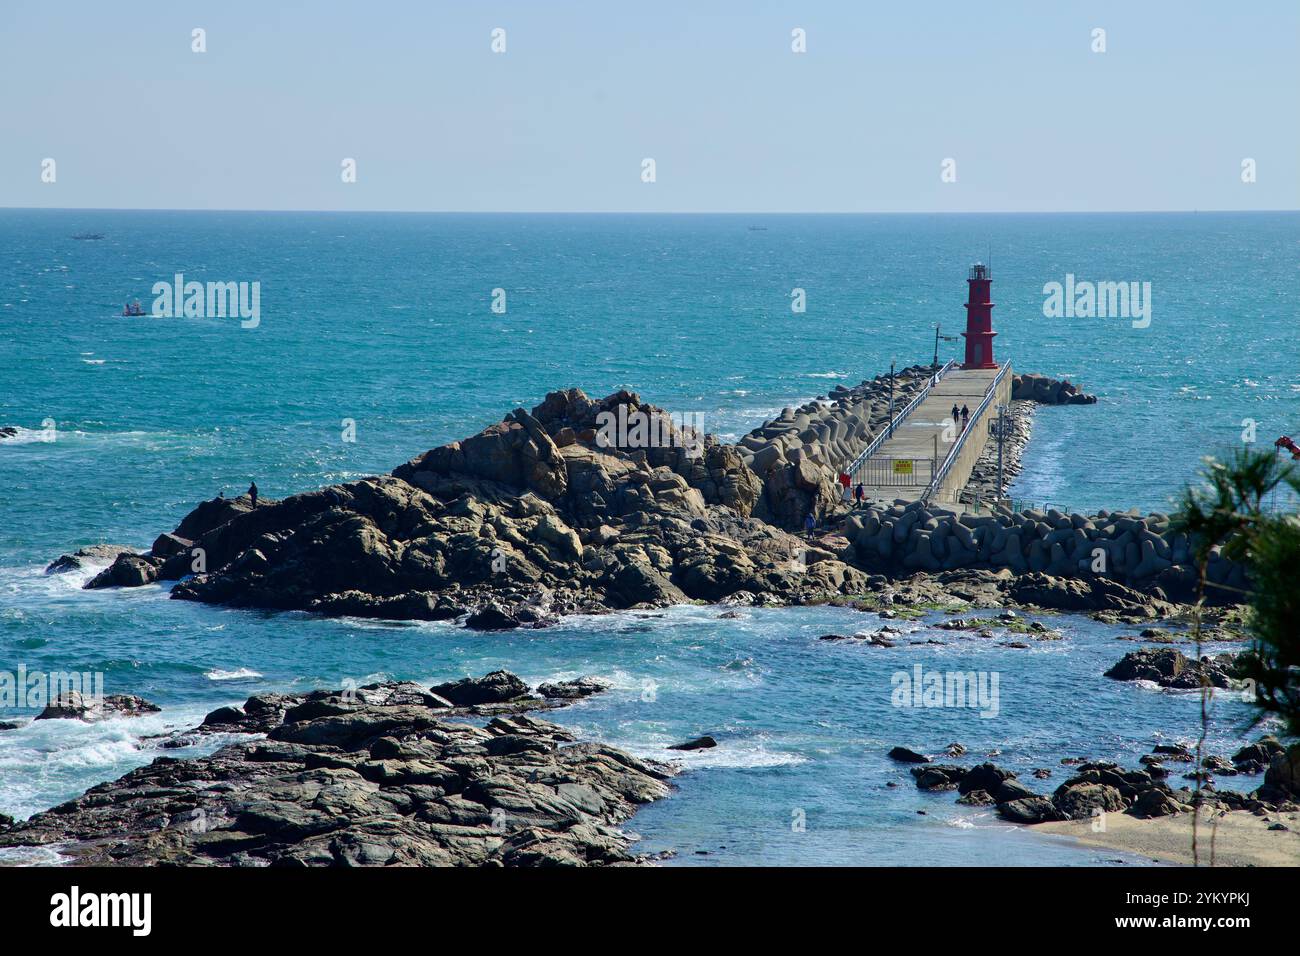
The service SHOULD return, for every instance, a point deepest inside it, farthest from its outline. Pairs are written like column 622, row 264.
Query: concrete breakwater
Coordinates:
column 1142, row 552
column 834, row 430
column 1048, row 391
column 983, row 484
column 798, row 454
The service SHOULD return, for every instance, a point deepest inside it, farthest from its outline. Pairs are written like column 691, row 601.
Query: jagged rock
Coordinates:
column 1283, row 774
column 379, row 776
column 129, row 570
column 1255, row 757
column 572, row 689
column 1029, row 810
column 1169, row 668
column 939, row 777
column 1155, row 803
column 986, row 776
column 84, row 558
column 1010, row 790
column 494, row 688
column 699, row 743
column 1079, row 801
column 74, row 705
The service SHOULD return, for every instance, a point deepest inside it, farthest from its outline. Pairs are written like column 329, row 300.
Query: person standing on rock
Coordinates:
column 859, row 493
column 809, row 524
column 252, row 493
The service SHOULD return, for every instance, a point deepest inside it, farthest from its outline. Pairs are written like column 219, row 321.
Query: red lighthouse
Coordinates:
column 979, row 320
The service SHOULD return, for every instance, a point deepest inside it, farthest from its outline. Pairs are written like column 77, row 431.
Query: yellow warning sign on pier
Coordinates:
column 902, row 466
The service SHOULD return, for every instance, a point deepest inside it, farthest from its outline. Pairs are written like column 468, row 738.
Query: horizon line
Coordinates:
column 663, row 212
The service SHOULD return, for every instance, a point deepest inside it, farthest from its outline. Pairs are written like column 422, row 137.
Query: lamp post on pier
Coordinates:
column 937, row 339
column 1002, row 431
column 891, row 399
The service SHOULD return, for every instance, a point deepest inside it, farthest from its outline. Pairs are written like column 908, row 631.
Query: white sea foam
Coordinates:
column 26, row 436
column 239, row 673
column 71, row 752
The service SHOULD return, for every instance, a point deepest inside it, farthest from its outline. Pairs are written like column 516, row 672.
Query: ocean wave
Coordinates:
column 72, row 753
column 239, row 673
column 27, row 436
column 728, row 754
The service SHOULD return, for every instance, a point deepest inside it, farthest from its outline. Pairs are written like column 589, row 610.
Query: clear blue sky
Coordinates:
column 734, row 120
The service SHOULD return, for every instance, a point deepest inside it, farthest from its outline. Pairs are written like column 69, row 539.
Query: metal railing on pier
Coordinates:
column 989, row 394
column 885, row 433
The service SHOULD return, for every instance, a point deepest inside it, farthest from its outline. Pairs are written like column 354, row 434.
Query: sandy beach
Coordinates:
column 1239, row 838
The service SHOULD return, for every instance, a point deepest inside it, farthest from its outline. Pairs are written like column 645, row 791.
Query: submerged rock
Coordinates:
column 699, row 743
column 572, row 689
column 73, row 705
column 904, row 755
column 1168, row 667
column 84, row 558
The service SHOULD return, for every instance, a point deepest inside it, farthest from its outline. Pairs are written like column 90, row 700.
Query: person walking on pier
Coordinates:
column 859, row 493
column 956, row 415
column 965, row 417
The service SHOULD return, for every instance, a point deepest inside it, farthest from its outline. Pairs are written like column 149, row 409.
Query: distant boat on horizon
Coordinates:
column 88, row 235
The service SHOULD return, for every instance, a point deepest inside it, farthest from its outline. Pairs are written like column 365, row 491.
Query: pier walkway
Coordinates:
column 928, row 456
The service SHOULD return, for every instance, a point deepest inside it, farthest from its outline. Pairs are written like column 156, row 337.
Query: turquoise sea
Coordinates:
column 387, row 320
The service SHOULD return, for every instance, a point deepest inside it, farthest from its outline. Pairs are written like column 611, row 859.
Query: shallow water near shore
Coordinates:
column 803, row 724
column 386, row 320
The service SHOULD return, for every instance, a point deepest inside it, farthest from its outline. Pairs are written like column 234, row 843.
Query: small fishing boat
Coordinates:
column 133, row 308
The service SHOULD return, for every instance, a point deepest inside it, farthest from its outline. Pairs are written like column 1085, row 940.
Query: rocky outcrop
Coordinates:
column 575, row 689
column 85, row 558
column 797, row 456
column 1255, row 757
column 1048, row 391
column 583, row 506
column 73, row 705
column 1168, row 667
column 1098, row 788
column 384, row 775
column 546, row 513
column 907, row 755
